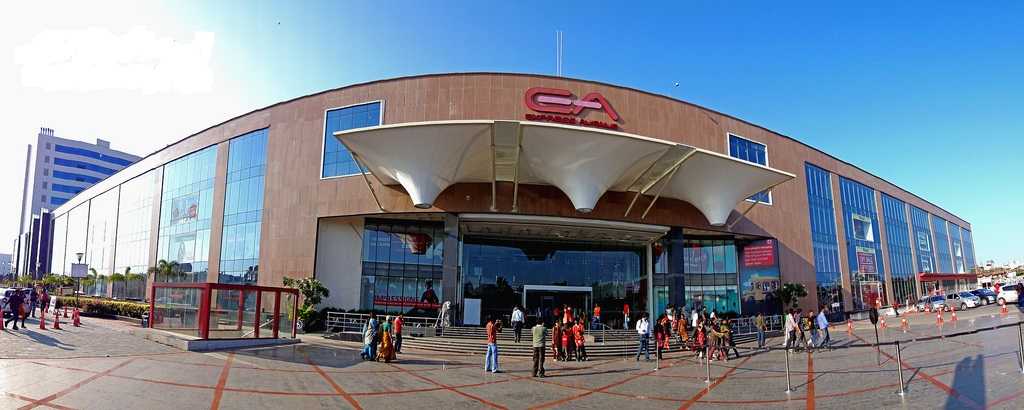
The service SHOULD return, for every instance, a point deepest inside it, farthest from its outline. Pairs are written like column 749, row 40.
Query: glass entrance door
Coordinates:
column 540, row 301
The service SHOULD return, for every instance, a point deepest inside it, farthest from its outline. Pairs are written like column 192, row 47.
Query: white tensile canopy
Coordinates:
column 425, row 158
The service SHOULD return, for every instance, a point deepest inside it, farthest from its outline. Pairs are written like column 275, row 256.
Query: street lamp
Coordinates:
column 78, row 281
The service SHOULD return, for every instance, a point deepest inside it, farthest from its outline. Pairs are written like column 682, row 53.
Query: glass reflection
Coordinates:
column 185, row 210
column 402, row 266
column 243, row 209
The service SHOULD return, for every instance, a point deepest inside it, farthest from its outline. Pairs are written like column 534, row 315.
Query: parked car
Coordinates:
column 963, row 300
column 987, row 295
column 1007, row 294
column 937, row 302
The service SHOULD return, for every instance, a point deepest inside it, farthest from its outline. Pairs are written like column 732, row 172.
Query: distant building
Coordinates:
column 5, row 265
column 56, row 171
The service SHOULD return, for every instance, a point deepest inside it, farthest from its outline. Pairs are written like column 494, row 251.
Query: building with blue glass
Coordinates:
column 491, row 190
column 59, row 169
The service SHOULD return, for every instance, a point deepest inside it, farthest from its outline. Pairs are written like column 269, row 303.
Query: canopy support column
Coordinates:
column 362, row 171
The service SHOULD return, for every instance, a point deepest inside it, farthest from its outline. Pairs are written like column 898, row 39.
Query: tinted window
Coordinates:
column 750, row 151
column 337, row 160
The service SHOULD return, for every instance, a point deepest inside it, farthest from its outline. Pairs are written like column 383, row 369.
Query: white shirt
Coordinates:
column 790, row 322
column 693, row 319
column 641, row 327
column 517, row 315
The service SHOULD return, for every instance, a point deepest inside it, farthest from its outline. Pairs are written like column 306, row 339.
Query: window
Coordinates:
column 83, row 165
column 66, row 188
column 862, row 228
column 754, row 152
column 71, row 176
column 56, row 201
column 46, row 172
column 186, row 210
column 49, row 146
column 44, row 198
column 46, row 185
column 92, row 154
column 46, row 159
column 243, row 209
column 337, row 161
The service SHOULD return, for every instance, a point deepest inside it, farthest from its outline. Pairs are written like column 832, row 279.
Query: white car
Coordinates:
column 1007, row 294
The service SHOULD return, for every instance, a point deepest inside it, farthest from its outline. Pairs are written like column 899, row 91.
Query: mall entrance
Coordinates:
column 540, row 301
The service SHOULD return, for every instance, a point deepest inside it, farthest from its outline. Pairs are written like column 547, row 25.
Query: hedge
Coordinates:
column 97, row 306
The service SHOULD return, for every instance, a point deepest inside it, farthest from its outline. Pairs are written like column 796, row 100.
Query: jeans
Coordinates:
column 644, row 347
column 760, row 338
column 517, row 329
column 32, row 308
column 826, row 339
column 538, row 361
column 398, row 343
column 626, row 326
column 491, row 360
column 814, row 337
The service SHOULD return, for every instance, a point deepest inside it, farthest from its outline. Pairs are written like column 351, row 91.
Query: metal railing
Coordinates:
column 341, row 322
column 746, row 325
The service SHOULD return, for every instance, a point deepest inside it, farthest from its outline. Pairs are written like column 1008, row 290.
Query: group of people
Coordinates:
column 797, row 325
column 382, row 341
column 22, row 303
column 568, row 341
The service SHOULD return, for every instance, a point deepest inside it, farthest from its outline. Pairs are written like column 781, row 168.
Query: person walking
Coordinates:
column 1020, row 294
column 33, row 302
column 625, row 316
column 659, row 335
column 387, row 343
column 597, row 317
column 727, row 340
column 790, row 329
column 581, row 346
column 681, row 330
column 491, row 360
column 556, row 341
column 397, row 330
column 700, row 338
column 44, row 301
column 811, row 323
column 759, row 325
column 15, row 304
column 643, row 331
column 826, row 339
column 568, row 341
column 517, row 323
column 538, row 332
column 370, row 338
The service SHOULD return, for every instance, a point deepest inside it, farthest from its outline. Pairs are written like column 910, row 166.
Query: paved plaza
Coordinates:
column 99, row 366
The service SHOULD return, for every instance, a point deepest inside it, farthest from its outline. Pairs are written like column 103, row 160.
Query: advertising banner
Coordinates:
column 923, row 242
column 866, row 260
column 759, row 277
column 182, row 247
column 185, row 209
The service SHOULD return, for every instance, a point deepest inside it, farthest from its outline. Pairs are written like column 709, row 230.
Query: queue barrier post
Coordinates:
column 707, row 366
column 789, row 385
column 899, row 368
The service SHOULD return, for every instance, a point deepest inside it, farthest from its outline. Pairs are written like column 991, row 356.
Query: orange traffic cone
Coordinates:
column 56, row 321
column 953, row 315
column 938, row 318
column 42, row 320
column 1002, row 308
column 849, row 326
column 903, row 324
column 74, row 317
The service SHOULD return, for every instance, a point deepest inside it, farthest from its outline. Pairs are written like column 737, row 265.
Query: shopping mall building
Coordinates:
column 490, row 190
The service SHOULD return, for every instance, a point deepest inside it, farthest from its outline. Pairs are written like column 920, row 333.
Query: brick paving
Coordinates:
column 98, row 366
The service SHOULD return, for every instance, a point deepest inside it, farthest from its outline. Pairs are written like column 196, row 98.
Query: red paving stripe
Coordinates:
column 46, row 400
column 600, row 389
column 218, row 392
column 810, row 381
column 1005, row 399
column 352, row 401
column 451, row 389
column 714, row 384
column 966, row 401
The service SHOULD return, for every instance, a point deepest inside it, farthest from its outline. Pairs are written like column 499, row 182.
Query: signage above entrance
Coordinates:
column 557, row 101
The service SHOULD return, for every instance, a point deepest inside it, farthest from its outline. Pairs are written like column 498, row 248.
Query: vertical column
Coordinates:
column 912, row 238
column 217, row 215
column 883, row 236
column 649, row 267
column 154, row 230
column 450, row 269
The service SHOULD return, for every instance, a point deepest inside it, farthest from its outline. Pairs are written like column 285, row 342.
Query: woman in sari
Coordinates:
column 370, row 338
column 387, row 344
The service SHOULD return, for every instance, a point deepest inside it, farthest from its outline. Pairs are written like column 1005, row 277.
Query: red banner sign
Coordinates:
column 761, row 254
column 562, row 107
column 866, row 260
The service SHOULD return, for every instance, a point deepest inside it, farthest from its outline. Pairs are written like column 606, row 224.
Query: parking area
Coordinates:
column 97, row 366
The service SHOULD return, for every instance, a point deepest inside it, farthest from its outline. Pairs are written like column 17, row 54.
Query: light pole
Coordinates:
column 78, row 283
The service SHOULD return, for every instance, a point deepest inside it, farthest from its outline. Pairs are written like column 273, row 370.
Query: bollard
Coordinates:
column 899, row 367
column 707, row 363
column 56, row 321
column 1020, row 340
column 788, row 384
column 903, row 324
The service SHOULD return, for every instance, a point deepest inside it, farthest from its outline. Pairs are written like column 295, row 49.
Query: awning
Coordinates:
column 426, row 158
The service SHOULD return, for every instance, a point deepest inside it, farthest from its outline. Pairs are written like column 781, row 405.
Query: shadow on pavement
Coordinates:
column 969, row 376
column 36, row 336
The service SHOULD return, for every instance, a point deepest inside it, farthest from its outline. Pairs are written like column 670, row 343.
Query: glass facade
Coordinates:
column 944, row 261
column 711, row 275
column 863, row 247
column 922, row 240
column 83, row 165
column 495, row 270
column 957, row 248
column 968, row 249
column 185, row 213
column 824, row 239
column 78, row 220
column 750, row 151
column 901, row 260
column 243, row 209
column 134, row 226
column 60, row 239
column 337, row 161
column 101, row 235
column 402, row 266
column 92, row 154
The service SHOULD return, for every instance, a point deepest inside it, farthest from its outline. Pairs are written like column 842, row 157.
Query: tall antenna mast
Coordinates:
column 558, row 52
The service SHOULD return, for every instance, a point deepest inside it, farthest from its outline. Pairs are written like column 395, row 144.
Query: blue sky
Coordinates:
column 924, row 94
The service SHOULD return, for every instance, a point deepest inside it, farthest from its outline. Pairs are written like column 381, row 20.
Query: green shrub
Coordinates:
column 98, row 306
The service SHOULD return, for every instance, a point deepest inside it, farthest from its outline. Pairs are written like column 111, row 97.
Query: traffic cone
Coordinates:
column 74, row 318
column 903, row 324
column 928, row 308
column 849, row 326
column 56, row 321
column 1002, row 308
column 42, row 320
column 953, row 317
column 938, row 318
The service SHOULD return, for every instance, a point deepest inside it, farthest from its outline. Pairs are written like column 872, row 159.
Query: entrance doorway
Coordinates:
column 540, row 300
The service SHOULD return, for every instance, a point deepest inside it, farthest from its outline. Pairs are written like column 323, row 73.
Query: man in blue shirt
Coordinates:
column 826, row 340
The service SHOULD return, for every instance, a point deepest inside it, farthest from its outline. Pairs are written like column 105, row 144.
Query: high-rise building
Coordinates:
column 55, row 171
column 5, row 265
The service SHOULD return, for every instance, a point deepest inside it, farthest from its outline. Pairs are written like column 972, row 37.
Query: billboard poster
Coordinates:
column 759, row 277
column 923, row 242
column 866, row 260
column 182, row 247
column 185, row 209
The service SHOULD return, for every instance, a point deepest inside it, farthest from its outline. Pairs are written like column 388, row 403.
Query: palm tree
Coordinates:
column 165, row 269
